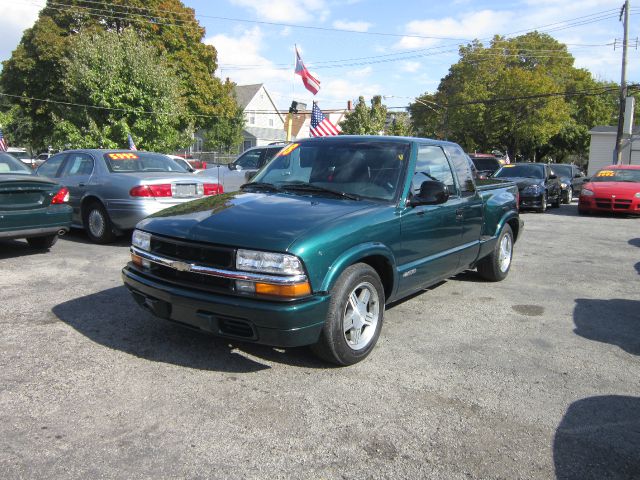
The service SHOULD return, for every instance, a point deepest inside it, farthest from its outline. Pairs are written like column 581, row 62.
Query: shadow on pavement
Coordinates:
column 615, row 321
column 112, row 318
column 19, row 248
column 599, row 438
column 78, row 235
column 570, row 210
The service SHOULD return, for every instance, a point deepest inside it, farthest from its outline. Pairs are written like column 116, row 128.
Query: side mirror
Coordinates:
column 232, row 166
column 578, row 175
column 431, row 193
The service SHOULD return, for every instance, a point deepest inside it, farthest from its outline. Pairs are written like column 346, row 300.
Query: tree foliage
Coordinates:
column 365, row 120
column 36, row 68
column 522, row 94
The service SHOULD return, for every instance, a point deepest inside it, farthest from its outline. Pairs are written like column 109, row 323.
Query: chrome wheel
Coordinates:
column 505, row 252
column 569, row 195
column 97, row 223
column 360, row 316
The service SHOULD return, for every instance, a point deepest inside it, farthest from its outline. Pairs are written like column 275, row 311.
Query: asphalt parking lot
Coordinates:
column 534, row 377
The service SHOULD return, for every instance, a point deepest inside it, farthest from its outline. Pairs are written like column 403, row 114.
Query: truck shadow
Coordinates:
column 111, row 318
column 599, row 437
column 78, row 235
column 615, row 321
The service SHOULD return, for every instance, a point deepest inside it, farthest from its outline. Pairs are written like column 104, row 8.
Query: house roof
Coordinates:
column 245, row 93
column 273, row 134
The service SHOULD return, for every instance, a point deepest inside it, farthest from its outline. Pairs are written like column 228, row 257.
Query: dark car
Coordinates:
column 31, row 207
column 243, row 168
column 486, row 164
column 571, row 180
column 539, row 186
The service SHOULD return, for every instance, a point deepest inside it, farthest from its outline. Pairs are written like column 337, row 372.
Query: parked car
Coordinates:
column 538, row 184
column 571, row 180
column 112, row 190
column 22, row 155
column 240, row 171
column 31, row 207
column 613, row 189
column 486, row 164
column 181, row 161
column 328, row 233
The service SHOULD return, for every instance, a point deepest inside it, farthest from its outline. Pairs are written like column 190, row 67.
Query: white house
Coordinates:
column 264, row 124
column 603, row 143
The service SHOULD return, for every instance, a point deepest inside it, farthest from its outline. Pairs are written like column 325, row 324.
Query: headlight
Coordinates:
column 586, row 193
column 141, row 239
column 563, row 185
column 637, row 195
column 264, row 262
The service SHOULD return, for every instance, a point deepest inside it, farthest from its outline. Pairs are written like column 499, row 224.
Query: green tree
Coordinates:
column 400, row 125
column 365, row 120
column 226, row 133
column 36, row 67
column 510, row 95
column 126, row 78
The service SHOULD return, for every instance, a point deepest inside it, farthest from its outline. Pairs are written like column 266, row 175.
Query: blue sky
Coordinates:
column 418, row 46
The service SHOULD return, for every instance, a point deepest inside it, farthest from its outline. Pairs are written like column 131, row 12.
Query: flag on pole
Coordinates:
column 310, row 82
column 132, row 146
column 3, row 142
column 320, row 125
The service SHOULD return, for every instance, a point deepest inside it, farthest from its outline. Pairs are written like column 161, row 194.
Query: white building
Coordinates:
column 603, row 143
column 264, row 124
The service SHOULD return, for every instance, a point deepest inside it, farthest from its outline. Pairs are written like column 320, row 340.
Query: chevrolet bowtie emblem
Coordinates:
column 180, row 266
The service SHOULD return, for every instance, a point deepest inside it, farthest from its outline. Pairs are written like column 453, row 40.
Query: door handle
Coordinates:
column 82, row 184
column 460, row 214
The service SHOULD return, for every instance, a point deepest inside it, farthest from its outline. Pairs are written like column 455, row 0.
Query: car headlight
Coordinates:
column 586, row 192
column 637, row 195
column 563, row 185
column 265, row 262
column 141, row 239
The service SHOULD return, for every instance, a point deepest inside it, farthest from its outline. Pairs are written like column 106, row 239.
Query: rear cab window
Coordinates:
column 462, row 168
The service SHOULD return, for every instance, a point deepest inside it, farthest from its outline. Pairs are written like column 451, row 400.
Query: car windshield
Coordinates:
column 350, row 169
column 562, row 170
column 11, row 165
column 486, row 163
column 127, row 162
column 617, row 175
column 515, row 170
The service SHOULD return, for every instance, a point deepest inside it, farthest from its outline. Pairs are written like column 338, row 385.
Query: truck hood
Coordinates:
column 263, row 221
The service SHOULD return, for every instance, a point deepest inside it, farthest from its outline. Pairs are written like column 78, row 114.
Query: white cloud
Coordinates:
column 410, row 67
column 361, row 73
column 14, row 19
column 354, row 26
column 287, row 10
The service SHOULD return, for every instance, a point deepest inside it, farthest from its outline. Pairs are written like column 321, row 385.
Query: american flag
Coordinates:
column 132, row 146
column 3, row 143
column 320, row 125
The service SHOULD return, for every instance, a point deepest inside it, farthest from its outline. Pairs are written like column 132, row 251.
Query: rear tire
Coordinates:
column 557, row 201
column 569, row 196
column 43, row 243
column 355, row 316
column 495, row 267
column 543, row 206
column 98, row 224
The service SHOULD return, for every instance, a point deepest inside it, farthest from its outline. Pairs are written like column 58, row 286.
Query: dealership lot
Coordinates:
column 532, row 377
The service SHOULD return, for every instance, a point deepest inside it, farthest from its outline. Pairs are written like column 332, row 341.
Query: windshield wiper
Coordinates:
column 308, row 187
column 269, row 187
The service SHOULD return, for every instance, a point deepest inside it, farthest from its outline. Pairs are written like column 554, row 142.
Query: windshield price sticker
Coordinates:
column 606, row 173
column 287, row 150
column 123, row 156
column 508, row 166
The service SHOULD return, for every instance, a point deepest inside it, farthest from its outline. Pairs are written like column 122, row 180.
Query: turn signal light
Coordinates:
column 291, row 291
column 162, row 190
column 213, row 189
column 61, row 197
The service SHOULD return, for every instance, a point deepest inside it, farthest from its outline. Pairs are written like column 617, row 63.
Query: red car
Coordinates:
column 612, row 189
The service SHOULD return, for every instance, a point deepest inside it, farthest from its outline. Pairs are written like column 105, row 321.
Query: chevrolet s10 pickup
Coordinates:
column 323, row 237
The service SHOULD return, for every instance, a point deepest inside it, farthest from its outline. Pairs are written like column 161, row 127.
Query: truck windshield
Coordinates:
column 515, row 170
column 357, row 168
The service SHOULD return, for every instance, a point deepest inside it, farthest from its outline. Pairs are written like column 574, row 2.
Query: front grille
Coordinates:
column 613, row 203
column 205, row 255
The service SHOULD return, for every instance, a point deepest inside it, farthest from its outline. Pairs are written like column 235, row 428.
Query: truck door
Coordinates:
column 471, row 207
column 431, row 234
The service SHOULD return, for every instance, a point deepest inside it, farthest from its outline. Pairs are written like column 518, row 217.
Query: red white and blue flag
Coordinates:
column 321, row 126
column 310, row 82
column 132, row 146
column 3, row 142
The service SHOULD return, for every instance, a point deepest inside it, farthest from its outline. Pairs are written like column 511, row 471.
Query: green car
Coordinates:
column 31, row 207
column 324, row 236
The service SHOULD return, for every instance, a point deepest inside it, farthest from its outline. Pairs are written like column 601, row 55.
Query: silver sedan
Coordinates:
column 112, row 190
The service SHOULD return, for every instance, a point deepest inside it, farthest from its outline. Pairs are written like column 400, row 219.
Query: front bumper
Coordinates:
column 281, row 324
column 531, row 201
column 629, row 206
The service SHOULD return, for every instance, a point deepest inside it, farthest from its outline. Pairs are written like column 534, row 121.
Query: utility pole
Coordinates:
column 623, row 84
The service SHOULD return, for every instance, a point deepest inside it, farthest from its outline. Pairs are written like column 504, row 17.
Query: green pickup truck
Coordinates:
column 324, row 236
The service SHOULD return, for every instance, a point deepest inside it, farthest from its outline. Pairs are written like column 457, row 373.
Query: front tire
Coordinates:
column 355, row 316
column 98, row 224
column 43, row 243
column 543, row 203
column 569, row 196
column 496, row 266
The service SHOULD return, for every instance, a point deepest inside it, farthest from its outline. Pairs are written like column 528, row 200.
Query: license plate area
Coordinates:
column 184, row 190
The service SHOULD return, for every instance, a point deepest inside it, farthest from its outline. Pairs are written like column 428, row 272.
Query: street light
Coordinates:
column 427, row 103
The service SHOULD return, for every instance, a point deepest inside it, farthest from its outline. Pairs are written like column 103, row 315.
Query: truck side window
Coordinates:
column 432, row 164
column 463, row 171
